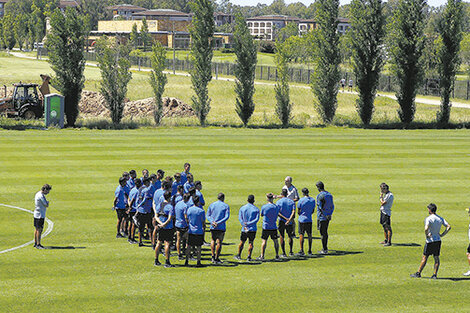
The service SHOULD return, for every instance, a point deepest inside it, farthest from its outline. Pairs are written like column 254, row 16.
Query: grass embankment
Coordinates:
column 105, row 274
column 223, row 99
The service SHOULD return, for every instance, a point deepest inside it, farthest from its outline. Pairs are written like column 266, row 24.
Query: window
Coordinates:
column 268, row 30
column 261, row 24
column 268, row 24
column 256, row 24
column 268, row 37
column 250, row 24
column 261, row 31
column 255, row 30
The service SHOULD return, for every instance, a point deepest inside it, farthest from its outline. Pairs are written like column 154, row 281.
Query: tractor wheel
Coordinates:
column 29, row 114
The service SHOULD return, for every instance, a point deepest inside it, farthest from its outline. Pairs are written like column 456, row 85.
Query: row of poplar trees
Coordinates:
column 405, row 44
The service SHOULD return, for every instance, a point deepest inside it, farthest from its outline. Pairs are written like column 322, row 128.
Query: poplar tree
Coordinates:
column 65, row 43
column 145, row 35
column 158, row 79
column 406, row 50
column 114, row 64
column 366, row 34
column 202, row 31
column 450, row 30
column 327, row 59
column 245, row 67
column 281, row 89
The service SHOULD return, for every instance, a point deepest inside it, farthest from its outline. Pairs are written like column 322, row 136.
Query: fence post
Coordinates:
column 261, row 72
column 269, row 73
column 216, row 71
column 308, row 76
column 389, row 82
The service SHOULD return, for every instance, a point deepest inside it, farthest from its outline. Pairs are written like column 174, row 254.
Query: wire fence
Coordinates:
column 430, row 86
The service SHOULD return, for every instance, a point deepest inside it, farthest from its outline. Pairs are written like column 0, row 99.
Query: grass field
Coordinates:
column 104, row 274
column 223, row 99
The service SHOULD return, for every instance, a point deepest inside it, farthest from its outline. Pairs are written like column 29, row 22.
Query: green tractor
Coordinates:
column 24, row 103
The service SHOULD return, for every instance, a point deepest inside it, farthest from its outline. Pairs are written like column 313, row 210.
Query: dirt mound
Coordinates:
column 9, row 92
column 93, row 104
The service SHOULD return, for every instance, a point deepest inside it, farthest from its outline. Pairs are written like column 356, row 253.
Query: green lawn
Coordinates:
column 109, row 275
column 223, row 98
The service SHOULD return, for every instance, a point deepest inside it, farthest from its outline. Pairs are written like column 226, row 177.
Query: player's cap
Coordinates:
column 288, row 178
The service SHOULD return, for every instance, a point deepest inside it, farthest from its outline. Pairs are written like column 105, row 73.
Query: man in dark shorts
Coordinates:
column 306, row 206
column 165, row 224
column 133, row 201
column 144, row 210
column 181, row 225
column 40, row 206
column 286, row 221
column 386, row 202
column 217, row 215
column 120, row 205
column 196, row 221
column 248, row 217
column 325, row 208
column 432, row 228
column 269, row 212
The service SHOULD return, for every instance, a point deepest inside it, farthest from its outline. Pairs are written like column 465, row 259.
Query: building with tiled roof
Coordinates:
column 125, row 10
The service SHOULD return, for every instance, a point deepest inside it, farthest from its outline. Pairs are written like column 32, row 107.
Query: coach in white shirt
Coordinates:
column 432, row 229
column 40, row 206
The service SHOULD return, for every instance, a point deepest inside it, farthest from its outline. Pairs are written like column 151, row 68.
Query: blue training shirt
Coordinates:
column 196, row 219
column 286, row 206
column 201, row 197
column 270, row 212
column 130, row 183
column 181, row 209
column 187, row 185
column 325, row 205
column 218, row 212
column 158, row 184
column 134, row 198
column 156, row 198
column 184, row 177
column 168, row 212
column 120, row 194
column 306, row 207
column 145, row 203
column 174, row 187
column 248, row 217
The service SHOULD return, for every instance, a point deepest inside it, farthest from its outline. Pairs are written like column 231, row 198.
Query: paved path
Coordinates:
column 418, row 99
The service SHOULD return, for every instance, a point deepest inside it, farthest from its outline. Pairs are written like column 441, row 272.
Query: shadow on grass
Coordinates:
column 412, row 244
column 450, row 278
column 341, row 252
column 63, row 247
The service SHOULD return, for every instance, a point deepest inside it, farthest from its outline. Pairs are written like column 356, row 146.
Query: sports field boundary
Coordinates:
column 50, row 227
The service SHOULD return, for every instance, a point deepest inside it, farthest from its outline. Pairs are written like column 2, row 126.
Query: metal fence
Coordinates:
column 430, row 86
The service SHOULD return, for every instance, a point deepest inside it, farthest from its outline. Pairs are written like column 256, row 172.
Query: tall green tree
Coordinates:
column 245, row 67
column 281, row 89
column 8, row 31
column 202, row 31
column 134, row 37
column 450, row 30
column 145, row 35
column 65, row 44
column 158, row 79
column 20, row 29
column 327, row 58
column 114, row 65
column 406, row 39
column 367, row 34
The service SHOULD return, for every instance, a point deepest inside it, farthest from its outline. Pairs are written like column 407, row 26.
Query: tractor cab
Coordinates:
column 26, row 102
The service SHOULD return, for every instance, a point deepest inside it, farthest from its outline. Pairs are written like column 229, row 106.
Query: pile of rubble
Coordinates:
column 93, row 104
column 9, row 92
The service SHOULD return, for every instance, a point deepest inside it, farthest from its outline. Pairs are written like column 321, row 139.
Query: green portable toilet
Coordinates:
column 54, row 110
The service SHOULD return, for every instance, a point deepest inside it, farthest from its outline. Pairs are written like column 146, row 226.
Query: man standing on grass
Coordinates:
column 145, row 174
column 306, row 206
column 468, row 248
column 432, row 228
column 132, row 179
column 165, row 224
column 176, row 183
column 198, row 186
column 386, row 201
column 189, row 183
column 217, row 214
column 196, row 221
column 120, row 205
column 157, row 200
column 181, row 225
column 286, row 221
column 248, row 217
column 325, row 208
column 144, row 210
column 40, row 206
column 269, row 212
column 185, row 173
column 134, row 197
column 158, row 182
